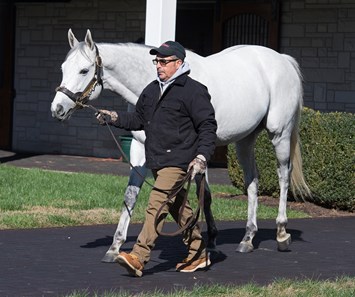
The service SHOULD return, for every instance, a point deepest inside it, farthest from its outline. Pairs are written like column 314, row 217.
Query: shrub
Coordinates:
column 327, row 144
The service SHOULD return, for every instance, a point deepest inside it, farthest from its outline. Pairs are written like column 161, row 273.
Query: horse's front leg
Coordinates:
column 136, row 179
column 212, row 231
column 246, row 157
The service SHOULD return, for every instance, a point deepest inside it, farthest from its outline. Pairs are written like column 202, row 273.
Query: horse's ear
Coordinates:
column 72, row 39
column 88, row 40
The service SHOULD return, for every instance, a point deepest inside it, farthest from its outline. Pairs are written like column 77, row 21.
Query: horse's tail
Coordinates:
column 299, row 186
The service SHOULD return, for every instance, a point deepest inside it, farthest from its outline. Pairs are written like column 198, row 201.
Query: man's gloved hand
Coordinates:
column 106, row 116
column 198, row 165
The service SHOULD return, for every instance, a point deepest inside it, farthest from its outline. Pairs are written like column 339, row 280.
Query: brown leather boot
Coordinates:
column 132, row 264
column 190, row 265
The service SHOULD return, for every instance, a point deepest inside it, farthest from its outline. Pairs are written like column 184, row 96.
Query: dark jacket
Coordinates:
column 178, row 127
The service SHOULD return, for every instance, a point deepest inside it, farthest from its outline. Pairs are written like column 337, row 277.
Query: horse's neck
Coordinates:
column 126, row 69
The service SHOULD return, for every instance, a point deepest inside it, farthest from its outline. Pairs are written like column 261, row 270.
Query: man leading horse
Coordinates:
column 179, row 121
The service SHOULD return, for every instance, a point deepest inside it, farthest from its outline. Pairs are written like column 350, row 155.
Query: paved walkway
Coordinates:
column 58, row 261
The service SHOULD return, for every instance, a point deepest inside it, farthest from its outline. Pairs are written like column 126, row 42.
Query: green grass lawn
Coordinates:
column 34, row 198
column 341, row 287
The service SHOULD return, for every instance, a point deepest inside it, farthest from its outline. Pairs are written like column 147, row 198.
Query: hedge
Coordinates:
column 327, row 145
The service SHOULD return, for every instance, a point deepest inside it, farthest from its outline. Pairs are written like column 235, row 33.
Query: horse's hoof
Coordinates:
column 109, row 258
column 244, row 247
column 283, row 245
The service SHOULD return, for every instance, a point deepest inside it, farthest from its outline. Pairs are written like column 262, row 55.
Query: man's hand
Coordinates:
column 106, row 116
column 198, row 165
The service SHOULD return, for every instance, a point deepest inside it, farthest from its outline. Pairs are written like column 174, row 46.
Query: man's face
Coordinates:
column 167, row 66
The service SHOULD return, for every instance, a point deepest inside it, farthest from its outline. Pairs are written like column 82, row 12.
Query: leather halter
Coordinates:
column 80, row 98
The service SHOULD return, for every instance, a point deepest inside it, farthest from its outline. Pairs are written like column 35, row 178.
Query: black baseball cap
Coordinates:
column 170, row 48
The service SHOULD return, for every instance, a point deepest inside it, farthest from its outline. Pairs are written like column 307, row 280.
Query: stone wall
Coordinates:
column 41, row 47
column 320, row 34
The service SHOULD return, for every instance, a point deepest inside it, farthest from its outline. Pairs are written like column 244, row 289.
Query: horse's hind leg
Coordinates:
column 135, row 183
column 246, row 157
column 212, row 231
column 282, row 148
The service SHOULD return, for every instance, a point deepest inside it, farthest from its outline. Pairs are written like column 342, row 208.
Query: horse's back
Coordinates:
column 248, row 84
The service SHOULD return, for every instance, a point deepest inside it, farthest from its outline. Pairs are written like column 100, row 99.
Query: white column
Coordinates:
column 160, row 21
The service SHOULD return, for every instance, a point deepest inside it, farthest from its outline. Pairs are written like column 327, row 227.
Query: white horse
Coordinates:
column 252, row 88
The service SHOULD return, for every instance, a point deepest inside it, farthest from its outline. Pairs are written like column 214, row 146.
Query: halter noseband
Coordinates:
column 80, row 98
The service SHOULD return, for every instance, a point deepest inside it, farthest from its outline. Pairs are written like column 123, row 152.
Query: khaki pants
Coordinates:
column 167, row 178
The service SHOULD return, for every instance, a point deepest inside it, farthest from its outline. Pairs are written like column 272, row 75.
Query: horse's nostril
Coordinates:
column 59, row 109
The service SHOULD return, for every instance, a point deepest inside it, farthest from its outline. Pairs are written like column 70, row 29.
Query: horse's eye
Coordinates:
column 84, row 71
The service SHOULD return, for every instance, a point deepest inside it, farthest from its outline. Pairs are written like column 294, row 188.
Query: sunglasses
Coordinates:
column 163, row 62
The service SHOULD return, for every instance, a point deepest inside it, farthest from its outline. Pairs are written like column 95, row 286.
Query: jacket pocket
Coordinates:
column 170, row 113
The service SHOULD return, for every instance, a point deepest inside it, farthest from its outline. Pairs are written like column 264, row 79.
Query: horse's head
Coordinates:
column 82, row 71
